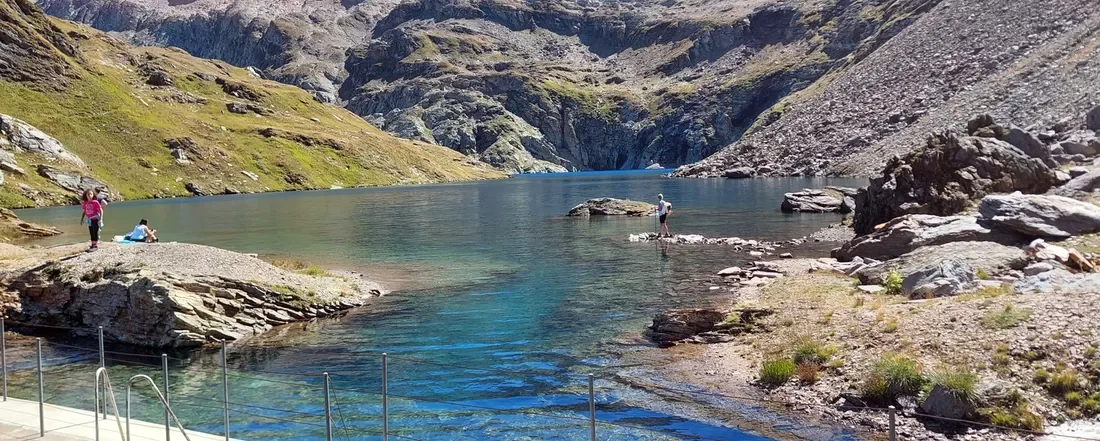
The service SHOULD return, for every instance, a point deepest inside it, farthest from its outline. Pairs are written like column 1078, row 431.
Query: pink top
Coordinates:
column 92, row 209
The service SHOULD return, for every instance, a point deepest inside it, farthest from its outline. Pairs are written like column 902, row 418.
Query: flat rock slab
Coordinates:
column 1041, row 215
column 613, row 207
column 993, row 258
column 910, row 232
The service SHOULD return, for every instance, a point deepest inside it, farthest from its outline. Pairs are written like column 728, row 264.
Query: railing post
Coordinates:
column 102, row 364
column 591, row 409
column 225, row 389
column 893, row 431
column 385, row 400
column 4, row 358
column 41, row 390
column 167, row 422
column 328, row 409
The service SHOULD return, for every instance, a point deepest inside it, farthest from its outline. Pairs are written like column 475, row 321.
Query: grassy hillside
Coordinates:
column 109, row 116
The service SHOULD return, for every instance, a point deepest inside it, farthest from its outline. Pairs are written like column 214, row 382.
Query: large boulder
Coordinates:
column 1027, row 143
column 942, row 402
column 739, row 173
column 1081, row 184
column 612, row 207
column 1092, row 120
column 71, row 181
column 811, row 201
column 1041, row 215
column 941, row 279
column 25, row 138
column 992, row 258
column 945, row 175
column 907, row 233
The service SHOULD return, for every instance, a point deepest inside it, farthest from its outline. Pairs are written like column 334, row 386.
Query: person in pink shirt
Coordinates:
column 93, row 214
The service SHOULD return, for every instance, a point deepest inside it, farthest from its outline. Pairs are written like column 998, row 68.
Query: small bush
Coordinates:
column 776, row 372
column 1090, row 352
column 893, row 376
column 1041, row 376
column 1091, row 406
column 982, row 275
column 1019, row 417
column 810, row 351
column 1063, row 382
column 807, row 372
column 1001, row 360
column 1073, row 398
column 891, row 326
column 1006, row 318
column 962, row 384
column 893, row 282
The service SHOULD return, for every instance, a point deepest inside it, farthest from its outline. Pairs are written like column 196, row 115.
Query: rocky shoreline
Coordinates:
column 169, row 295
column 969, row 291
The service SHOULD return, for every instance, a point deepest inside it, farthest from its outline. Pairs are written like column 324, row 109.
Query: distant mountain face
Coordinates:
column 531, row 85
column 82, row 110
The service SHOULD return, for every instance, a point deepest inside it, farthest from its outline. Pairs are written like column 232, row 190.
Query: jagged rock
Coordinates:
column 1083, row 143
column 25, row 138
column 979, row 122
column 159, row 78
column 244, row 109
column 1037, row 268
column 612, row 207
column 702, row 325
column 942, row 279
column 11, row 222
column 1092, row 120
column 1082, row 184
column 11, row 167
column 942, row 402
column 231, row 190
column 196, row 189
column 810, row 201
column 1075, row 172
column 176, row 295
column 993, row 258
column 739, row 173
column 909, row 232
column 1041, row 215
column 1027, row 143
column 943, row 177
column 71, row 181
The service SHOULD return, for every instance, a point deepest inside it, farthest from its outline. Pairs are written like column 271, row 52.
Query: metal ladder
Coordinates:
column 101, row 373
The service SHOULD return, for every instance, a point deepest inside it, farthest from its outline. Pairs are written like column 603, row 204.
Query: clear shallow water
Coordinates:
column 504, row 306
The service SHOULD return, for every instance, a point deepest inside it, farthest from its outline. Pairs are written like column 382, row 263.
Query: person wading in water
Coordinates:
column 664, row 208
column 92, row 212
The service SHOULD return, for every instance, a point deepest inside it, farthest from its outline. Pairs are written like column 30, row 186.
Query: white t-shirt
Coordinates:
column 663, row 207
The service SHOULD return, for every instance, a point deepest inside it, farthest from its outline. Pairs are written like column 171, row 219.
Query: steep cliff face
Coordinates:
column 531, row 85
column 1026, row 63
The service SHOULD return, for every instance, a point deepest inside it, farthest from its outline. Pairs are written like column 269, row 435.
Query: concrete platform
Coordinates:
column 19, row 421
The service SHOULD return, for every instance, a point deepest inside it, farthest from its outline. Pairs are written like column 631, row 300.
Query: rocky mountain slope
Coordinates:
column 1026, row 63
column 80, row 109
column 533, row 85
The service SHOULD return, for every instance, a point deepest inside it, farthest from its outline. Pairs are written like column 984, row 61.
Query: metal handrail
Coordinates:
column 102, row 373
column 160, row 396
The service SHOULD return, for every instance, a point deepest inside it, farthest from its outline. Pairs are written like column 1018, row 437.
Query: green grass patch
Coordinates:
column 1005, row 318
column 893, row 282
column 893, row 376
column 776, row 372
column 960, row 383
column 813, row 352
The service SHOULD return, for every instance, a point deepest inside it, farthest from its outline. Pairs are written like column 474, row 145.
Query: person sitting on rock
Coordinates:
column 92, row 212
column 142, row 233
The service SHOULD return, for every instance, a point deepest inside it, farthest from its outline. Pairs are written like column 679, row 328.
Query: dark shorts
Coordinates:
column 663, row 217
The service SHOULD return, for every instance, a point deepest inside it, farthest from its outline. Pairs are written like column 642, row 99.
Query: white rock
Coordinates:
column 731, row 271
column 871, row 289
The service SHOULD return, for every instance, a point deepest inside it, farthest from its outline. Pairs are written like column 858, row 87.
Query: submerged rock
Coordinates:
column 702, row 325
column 613, row 207
column 177, row 295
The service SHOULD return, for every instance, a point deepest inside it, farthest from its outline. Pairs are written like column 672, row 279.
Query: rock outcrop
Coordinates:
column 702, row 325
column 941, row 279
column 175, row 295
column 72, row 182
column 910, row 232
column 944, row 176
column 812, row 201
column 21, row 137
column 613, row 207
column 11, row 227
column 990, row 257
column 1041, row 215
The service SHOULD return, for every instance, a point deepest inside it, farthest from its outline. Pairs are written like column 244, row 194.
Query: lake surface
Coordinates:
column 502, row 308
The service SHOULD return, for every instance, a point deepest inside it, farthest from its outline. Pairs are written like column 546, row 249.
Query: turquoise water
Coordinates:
column 503, row 307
